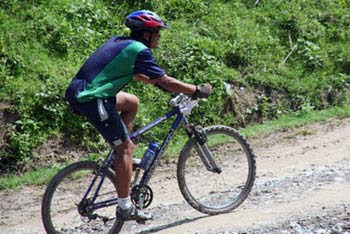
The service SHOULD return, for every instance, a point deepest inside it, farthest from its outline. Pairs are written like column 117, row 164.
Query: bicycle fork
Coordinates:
column 202, row 149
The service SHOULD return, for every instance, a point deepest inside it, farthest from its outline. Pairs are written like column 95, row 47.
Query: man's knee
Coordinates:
column 126, row 148
column 127, row 102
column 134, row 102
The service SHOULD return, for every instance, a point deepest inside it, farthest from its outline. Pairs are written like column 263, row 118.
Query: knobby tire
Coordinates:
column 59, row 180
column 233, row 155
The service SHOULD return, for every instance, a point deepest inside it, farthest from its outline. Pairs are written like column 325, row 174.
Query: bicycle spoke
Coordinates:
column 216, row 191
column 63, row 207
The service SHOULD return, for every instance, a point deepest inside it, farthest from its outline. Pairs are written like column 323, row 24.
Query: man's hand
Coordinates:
column 202, row 91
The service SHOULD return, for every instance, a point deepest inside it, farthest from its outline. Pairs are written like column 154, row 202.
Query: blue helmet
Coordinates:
column 145, row 20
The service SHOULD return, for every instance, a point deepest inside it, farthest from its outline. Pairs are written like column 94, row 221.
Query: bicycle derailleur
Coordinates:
column 84, row 208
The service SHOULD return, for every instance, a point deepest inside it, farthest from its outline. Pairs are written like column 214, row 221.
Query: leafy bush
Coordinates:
column 263, row 61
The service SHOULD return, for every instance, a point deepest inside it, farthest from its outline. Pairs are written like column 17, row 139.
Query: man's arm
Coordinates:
column 168, row 83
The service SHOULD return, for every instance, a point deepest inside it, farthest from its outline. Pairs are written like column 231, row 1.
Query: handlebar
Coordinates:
column 184, row 102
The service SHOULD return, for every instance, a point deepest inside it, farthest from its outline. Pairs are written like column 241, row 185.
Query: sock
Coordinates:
column 124, row 203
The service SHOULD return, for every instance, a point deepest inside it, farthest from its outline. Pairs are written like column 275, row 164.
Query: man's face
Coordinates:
column 154, row 39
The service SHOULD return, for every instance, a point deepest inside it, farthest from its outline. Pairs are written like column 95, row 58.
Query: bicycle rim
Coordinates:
column 211, row 192
column 64, row 194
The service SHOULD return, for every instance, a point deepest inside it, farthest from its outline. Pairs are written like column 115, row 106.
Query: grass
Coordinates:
column 38, row 177
column 42, row 176
column 296, row 120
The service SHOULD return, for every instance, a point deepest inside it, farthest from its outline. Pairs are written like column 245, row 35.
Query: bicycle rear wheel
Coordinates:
column 62, row 208
column 211, row 192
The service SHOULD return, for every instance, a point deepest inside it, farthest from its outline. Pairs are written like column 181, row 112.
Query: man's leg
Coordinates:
column 128, row 104
column 123, row 166
column 114, row 130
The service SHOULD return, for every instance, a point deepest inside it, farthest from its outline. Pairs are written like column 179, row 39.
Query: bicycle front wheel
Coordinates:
column 212, row 192
column 63, row 209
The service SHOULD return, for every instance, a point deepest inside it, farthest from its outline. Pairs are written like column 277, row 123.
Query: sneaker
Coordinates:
column 133, row 214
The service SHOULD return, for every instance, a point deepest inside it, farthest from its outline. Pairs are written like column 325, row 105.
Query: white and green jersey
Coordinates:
column 110, row 68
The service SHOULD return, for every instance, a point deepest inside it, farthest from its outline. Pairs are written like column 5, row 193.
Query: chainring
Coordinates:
column 141, row 196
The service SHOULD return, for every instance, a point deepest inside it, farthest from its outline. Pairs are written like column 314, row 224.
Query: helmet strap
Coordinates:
column 139, row 36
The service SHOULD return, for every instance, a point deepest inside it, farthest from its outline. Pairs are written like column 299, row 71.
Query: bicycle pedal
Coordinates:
column 141, row 222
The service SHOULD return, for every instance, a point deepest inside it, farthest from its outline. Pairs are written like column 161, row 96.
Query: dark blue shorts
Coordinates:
column 102, row 114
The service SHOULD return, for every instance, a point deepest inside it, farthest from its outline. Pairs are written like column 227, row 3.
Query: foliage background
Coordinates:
column 263, row 61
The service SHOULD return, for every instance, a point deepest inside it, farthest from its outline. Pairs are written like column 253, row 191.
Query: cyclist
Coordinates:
column 95, row 93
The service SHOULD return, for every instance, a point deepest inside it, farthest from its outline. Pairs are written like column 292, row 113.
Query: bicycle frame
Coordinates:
column 148, row 173
column 179, row 117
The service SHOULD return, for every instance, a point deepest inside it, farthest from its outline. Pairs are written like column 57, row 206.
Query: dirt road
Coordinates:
column 302, row 186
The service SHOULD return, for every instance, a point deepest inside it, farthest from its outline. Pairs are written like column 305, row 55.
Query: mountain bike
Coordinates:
column 83, row 194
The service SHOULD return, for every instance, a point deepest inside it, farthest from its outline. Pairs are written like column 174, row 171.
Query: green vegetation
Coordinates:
column 296, row 120
column 264, row 62
column 38, row 177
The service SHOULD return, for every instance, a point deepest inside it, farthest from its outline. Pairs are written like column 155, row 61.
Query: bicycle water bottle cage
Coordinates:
column 199, row 134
